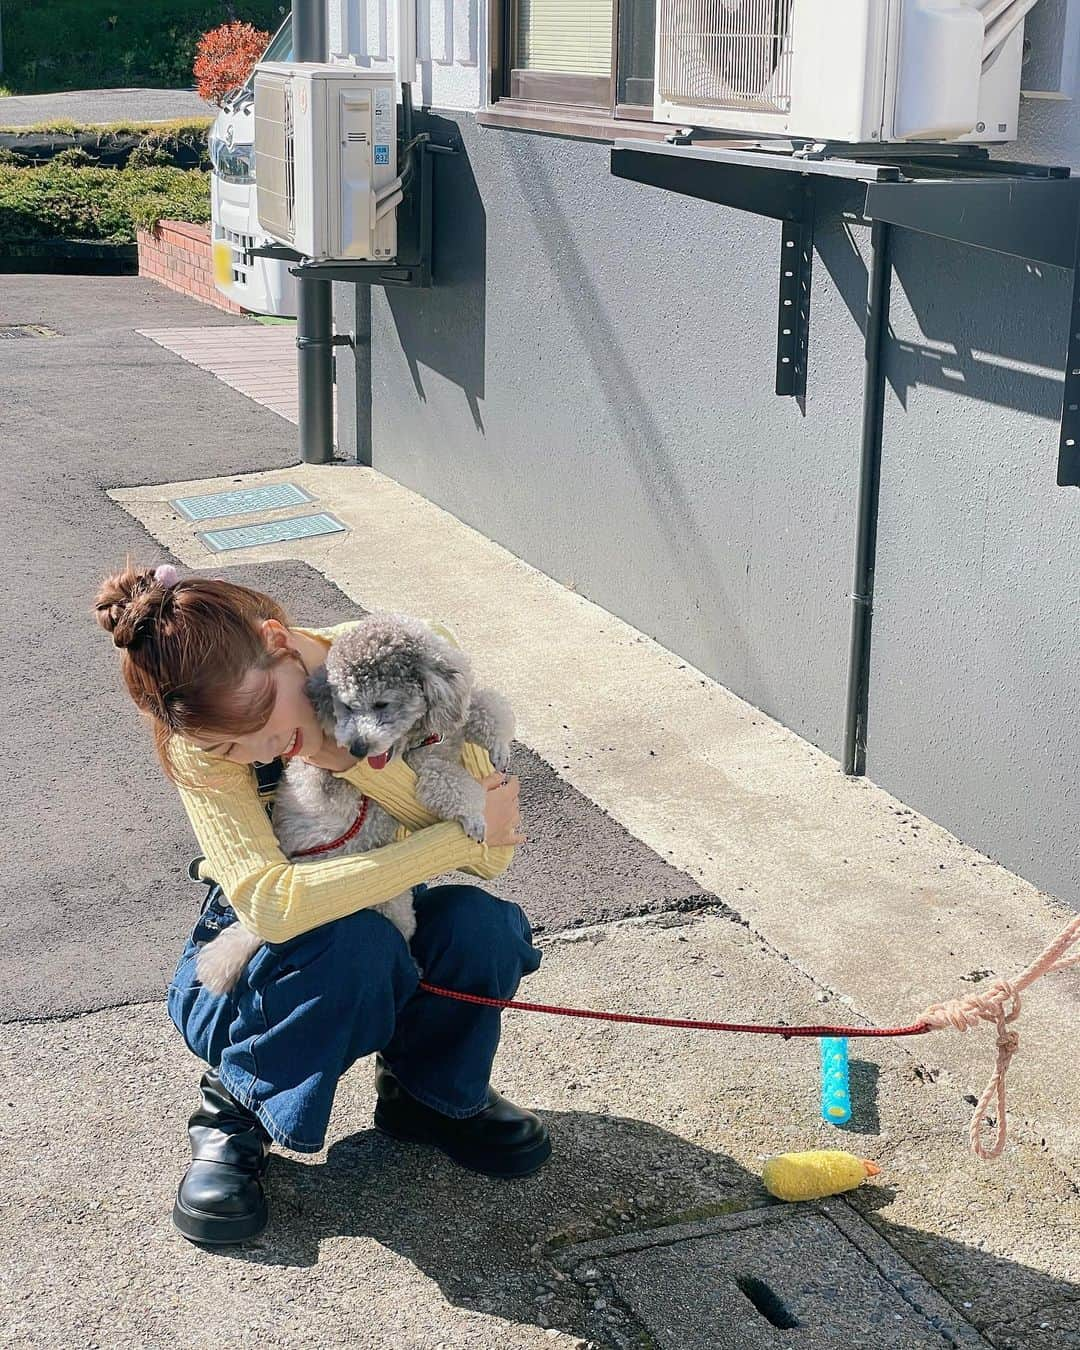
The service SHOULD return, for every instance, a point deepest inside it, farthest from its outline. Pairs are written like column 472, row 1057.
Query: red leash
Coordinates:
column 916, row 1028
column 999, row 1005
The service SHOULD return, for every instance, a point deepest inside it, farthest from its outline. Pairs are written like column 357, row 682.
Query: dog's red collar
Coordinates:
column 361, row 816
column 392, row 753
column 350, row 833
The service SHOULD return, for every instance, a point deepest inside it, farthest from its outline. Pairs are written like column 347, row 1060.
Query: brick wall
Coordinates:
column 178, row 255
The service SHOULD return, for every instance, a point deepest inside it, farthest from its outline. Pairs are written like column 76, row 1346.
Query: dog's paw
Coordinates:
column 216, row 971
column 500, row 756
column 474, row 826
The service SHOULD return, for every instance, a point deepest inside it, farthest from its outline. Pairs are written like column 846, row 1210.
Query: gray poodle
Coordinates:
column 390, row 686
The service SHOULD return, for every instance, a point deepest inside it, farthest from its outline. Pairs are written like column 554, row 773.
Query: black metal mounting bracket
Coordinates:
column 793, row 316
column 337, row 340
column 1069, row 449
column 412, row 265
column 1031, row 211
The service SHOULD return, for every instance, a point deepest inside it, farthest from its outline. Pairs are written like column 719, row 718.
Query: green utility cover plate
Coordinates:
column 241, row 501
column 271, row 532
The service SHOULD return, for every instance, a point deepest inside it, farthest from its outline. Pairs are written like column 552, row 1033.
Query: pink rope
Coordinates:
column 1000, row 1004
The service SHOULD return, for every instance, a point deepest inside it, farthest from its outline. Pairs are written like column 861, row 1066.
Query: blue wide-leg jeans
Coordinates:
column 305, row 1010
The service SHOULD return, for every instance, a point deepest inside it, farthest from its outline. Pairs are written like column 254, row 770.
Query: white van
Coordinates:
column 266, row 286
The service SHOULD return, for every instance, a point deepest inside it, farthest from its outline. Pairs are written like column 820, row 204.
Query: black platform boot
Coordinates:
column 504, row 1140
column 221, row 1197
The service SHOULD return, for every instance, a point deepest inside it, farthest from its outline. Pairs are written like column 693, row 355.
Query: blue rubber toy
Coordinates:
column 835, row 1081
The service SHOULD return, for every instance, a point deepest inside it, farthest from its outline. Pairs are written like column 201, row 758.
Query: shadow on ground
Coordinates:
column 609, row 1175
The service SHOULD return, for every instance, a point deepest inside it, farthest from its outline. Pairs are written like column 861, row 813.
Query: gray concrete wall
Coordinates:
column 975, row 702
column 590, row 385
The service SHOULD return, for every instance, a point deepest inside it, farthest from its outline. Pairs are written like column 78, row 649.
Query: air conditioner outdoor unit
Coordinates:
column 326, row 159
column 842, row 70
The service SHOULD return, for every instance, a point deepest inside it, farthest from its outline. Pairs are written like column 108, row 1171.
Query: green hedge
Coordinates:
column 89, row 44
column 60, row 201
column 181, row 143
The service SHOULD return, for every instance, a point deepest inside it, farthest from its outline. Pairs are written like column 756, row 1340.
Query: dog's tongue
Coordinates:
column 379, row 761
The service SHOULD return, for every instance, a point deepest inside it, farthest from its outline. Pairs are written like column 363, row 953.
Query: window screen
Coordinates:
column 572, row 37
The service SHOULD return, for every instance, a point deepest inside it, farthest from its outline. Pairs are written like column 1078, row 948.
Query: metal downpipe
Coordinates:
column 315, row 370
column 862, row 595
column 314, row 321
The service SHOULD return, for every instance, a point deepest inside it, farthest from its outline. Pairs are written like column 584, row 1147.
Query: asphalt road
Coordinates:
column 103, row 105
column 96, row 902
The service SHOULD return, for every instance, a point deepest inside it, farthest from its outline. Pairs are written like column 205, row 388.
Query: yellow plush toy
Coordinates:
column 815, row 1174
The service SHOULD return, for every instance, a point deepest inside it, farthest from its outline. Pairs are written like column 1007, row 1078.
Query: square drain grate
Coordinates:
column 271, row 532
column 26, row 330
column 790, row 1277
column 241, row 501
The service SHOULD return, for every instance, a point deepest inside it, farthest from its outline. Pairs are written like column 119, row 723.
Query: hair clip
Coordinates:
column 166, row 575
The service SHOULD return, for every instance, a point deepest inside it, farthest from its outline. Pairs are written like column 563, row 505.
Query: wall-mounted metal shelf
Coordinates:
column 1031, row 211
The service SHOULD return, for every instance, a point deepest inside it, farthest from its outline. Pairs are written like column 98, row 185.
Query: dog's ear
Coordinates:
column 447, row 685
column 319, row 693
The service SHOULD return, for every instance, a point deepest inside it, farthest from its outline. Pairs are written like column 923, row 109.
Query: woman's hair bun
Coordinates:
column 128, row 600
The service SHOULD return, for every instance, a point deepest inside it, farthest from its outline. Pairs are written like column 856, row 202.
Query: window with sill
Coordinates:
column 586, row 56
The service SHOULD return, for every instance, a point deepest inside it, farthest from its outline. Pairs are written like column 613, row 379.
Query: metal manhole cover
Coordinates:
column 241, row 501
column 271, row 532
column 792, row 1277
column 26, row 330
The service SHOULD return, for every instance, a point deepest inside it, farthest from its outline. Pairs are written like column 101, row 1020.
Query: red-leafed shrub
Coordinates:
column 225, row 58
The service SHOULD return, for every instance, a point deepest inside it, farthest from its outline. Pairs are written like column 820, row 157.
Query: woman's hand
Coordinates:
column 501, row 814
column 328, row 755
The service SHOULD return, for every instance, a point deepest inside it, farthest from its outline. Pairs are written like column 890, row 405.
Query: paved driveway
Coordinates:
column 103, row 105
column 96, row 839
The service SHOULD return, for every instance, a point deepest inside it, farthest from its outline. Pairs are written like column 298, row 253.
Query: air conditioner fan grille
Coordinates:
column 726, row 54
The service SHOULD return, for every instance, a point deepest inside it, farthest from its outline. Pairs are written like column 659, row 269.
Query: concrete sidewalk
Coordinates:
column 842, row 905
column 848, row 907
column 880, row 906
column 383, row 1245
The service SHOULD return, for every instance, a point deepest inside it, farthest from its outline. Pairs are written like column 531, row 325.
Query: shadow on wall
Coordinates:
column 994, row 326
column 444, row 328
column 650, row 440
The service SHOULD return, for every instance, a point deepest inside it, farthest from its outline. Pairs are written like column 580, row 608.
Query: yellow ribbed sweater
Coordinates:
column 278, row 899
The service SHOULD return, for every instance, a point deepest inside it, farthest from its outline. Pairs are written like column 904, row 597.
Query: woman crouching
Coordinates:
column 220, row 674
